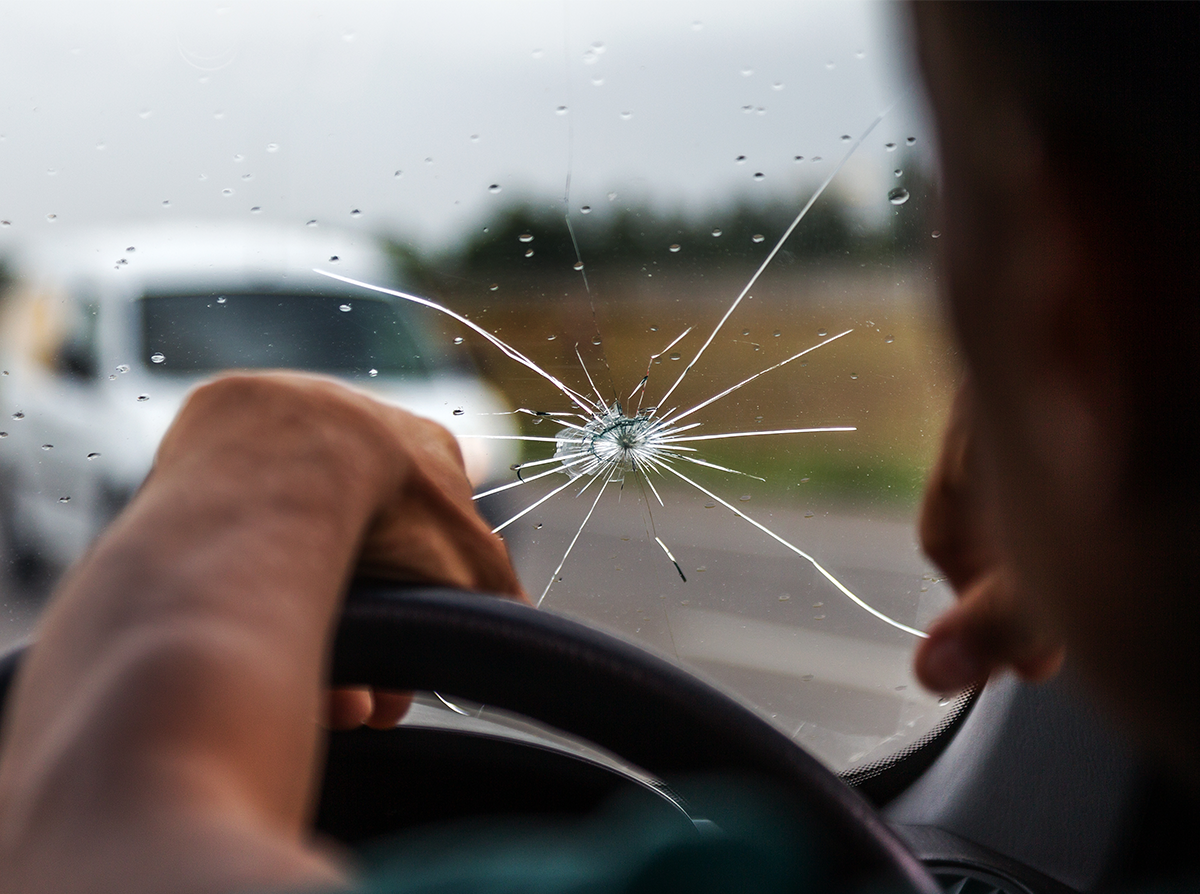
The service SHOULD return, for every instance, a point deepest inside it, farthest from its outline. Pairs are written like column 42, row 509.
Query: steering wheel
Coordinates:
column 595, row 686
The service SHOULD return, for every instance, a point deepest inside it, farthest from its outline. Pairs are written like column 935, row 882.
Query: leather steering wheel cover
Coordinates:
column 582, row 681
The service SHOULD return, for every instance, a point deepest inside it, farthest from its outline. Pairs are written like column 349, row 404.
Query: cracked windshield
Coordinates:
column 665, row 269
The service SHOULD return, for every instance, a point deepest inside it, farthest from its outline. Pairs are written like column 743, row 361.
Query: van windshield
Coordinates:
column 324, row 333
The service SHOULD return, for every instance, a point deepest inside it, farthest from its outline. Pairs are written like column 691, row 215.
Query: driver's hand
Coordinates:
column 424, row 528
column 990, row 626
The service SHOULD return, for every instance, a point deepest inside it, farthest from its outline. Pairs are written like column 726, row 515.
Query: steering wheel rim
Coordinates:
column 616, row 695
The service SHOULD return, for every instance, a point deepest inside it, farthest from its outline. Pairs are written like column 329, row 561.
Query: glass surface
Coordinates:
column 618, row 192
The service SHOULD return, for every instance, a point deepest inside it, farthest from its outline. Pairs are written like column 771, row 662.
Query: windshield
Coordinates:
column 210, row 333
column 677, row 258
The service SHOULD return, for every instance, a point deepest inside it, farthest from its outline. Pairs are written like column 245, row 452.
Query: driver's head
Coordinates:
column 1071, row 200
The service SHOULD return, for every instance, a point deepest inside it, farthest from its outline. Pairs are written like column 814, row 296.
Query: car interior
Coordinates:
column 603, row 216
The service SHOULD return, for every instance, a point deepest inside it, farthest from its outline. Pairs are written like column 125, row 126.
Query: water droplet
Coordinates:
column 716, row 231
column 221, row 299
column 673, row 247
column 890, row 339
column 166, row 203
column 529, row 252
column 815, row 159
column 799, row 158
column 898, row 196
column 784, row 597
column 494, row 188
column 757, row 237
column 525, row 237
column 93, row 456
column 551, row 337
column 745, row 332
column 459, row 411
column 625, row 116
column 808, row 515
column 898, row 172
column 910, row 141
column 596, row 340
column 674, row 355
column 344, row 308
column 776, row 334
column 740, row 159
column 890, row 147
column 854, row 375
column 561, row 110
column 744, row 498
column 759, row 175
column 585, row 209
column 47, row 446
column 936, row 234
column 818, row 617
column 51, row 218
column 256, row 209
column 5, row 223
column 710, row 505
column 943, row 701
column 247, row 176
column 538, row 53
column 458, row 340
column 804, row 480
column 778, row 85
column 123, row 368
column 64, row 499
column 746, row 72
column 3, row 434
column 846, row 138
column 579, row 265
column 310, row 223
column 272, row 147
column 227, row 192
column 829, row 65
column 822, row 332
column 354, row 212
column 537, row 420
column 157, row 357
column 142, row 398
column 493, row 287
column 333, row 259
column 538, row 526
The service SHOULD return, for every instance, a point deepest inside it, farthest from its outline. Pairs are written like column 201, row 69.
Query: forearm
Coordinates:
column 172, row 698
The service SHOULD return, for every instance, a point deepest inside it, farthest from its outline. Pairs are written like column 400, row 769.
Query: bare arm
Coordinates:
column 163, row 732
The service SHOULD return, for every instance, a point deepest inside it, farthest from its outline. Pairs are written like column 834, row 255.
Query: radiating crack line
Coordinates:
column 509, row 351
column 774, row 251
column 817, row 565
column 528, row 509
column 754, row 434
column 574, row 539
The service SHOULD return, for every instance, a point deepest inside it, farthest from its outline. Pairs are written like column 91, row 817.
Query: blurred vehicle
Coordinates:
column 106, row 331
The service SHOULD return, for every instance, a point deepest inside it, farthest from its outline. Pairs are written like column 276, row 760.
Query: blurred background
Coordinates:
column 591, row 177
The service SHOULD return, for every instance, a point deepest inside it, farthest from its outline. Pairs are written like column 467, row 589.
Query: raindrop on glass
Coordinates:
column 221, row 299
column 459, row 411
column 784, row 598
column 272, row 147
column 716, row 231
column 910, row 141
column 745, row 332
column 3, row 434
column 372, row 373
column 898, row 196
column 157, row 357
column 310, row 223
column 561, row 110
column 890, row 147
column 854, row 375
column 821, row 333
column 333, row 259
column 846, row 138
column 494, row 188
column 596, row 340
column 529, row 252
column 551, row 337
column 579, row 265
column 776, row 334
column 227, row 192
column 355, row 212
column 525, row 237
column 256, row 209
column 625, row 116
column 744, row 498
column 778, row 85
column 674, row 247
column 710, row 505
column 93, row 456
column 398, row 174
column 538, row 526
column 757, row 237
column 458, row 340
column 47, row 446
column 740, row 159
column 344, row 308
column 493, row 287
column 64, row 499
column 586, row 209
column 123, row 368
column 142, row 398
column 898, row 172
column 674, row 355
column 759, row 175
column 746, row 72
column 936, row 234
column 890, row 339
column 51, row 218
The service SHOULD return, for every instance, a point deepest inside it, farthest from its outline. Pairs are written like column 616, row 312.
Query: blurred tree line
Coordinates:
column 531, row 237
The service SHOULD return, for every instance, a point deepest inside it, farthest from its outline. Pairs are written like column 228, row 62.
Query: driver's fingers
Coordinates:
column 388, row 708
column 350, row 707
column 987, row 629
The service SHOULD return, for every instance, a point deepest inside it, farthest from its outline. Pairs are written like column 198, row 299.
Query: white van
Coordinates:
column 104, row 332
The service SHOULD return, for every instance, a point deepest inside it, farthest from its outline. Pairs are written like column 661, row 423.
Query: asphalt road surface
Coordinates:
column 752, row 616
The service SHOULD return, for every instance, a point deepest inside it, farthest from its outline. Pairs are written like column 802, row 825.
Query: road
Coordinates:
column 752, row 616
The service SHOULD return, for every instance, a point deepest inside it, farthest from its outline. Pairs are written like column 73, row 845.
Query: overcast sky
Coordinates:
column 412, row 113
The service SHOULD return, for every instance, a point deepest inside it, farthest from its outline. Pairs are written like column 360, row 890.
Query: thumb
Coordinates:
column 986, row 630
